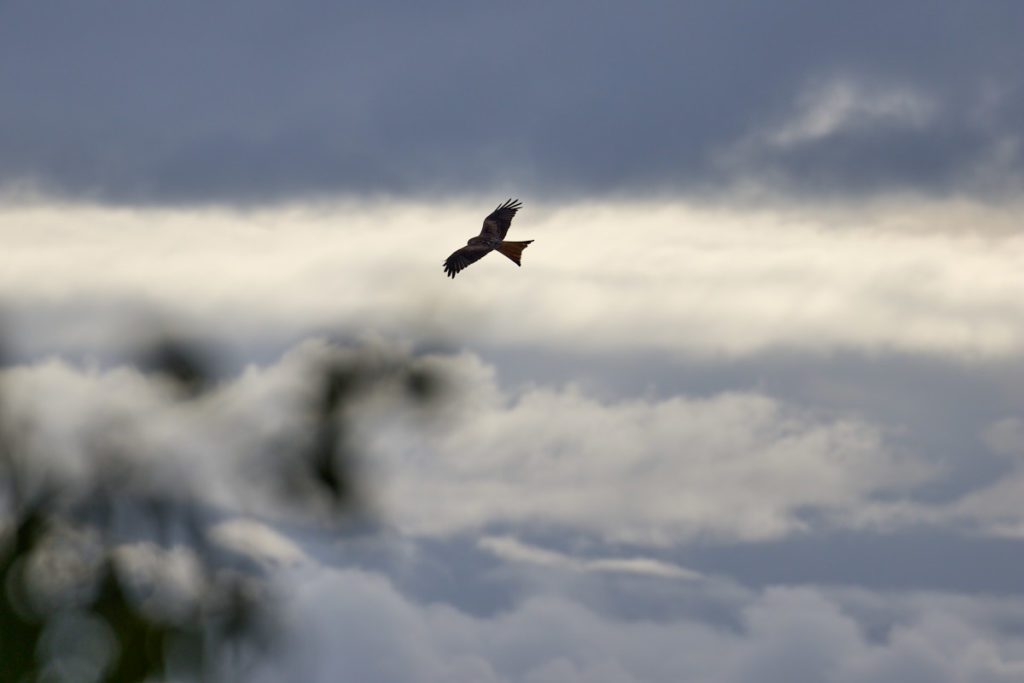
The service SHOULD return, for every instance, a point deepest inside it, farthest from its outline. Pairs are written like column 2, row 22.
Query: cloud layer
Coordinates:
column 750, row 411
column 938, row 278
column 613, row 489
column 262, row 102
column 648, row 471
column 738, row 465
column 781, row 635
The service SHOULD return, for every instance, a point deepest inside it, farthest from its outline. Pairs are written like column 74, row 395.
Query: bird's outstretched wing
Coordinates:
column 471, row 253
column 496, row 225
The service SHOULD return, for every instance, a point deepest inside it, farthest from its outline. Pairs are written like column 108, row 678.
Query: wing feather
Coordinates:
column 471, row 253
column 497, row 223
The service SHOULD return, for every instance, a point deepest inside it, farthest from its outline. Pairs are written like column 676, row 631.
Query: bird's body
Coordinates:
column 491, row 238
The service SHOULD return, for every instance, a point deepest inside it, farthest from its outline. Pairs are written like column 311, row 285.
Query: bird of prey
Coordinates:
column 491, row 237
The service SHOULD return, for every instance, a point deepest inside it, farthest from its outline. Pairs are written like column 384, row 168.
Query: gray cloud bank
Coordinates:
column 444, row 598
column 255, row 102
column 634, row 471
column 781, row 635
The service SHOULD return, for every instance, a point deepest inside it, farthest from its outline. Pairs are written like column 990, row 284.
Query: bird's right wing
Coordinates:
column 470, row 253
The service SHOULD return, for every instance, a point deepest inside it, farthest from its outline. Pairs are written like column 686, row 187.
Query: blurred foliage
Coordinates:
column 71, row 608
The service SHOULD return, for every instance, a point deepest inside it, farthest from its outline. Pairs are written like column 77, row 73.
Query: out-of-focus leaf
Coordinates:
column 147, row 643
column 182, row 362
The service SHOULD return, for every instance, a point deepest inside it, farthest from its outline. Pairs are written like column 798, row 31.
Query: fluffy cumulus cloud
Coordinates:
column 780, row 634
column 649, row 470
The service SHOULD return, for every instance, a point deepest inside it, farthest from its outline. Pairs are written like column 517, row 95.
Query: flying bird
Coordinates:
column 491, row 237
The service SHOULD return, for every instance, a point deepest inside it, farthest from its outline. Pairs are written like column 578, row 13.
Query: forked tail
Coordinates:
column 514, row 250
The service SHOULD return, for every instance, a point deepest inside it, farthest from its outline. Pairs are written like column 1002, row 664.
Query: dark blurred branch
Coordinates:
column 231, row 612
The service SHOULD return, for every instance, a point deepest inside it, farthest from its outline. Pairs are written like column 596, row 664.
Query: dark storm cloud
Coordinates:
column 266, row 100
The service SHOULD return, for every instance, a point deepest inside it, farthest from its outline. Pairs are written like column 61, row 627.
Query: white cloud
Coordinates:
column 997, row 508
column 514, row 550
column 257, row 540
column 387, row 637
column 737, row 464
column 648, row 469
column 904, row 276
column 847, row 133
column 353, row 621
column 840, row 105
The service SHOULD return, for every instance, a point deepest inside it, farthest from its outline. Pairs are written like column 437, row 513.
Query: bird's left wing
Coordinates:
column 497, row 223
column 471, row 253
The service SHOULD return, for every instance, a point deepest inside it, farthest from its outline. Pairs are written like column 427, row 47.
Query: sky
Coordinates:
column 752, row 409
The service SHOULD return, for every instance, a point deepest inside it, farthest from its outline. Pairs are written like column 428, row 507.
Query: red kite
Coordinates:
column 491, row 237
